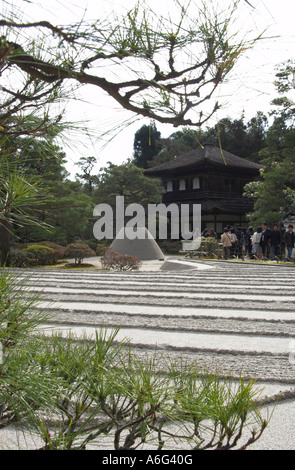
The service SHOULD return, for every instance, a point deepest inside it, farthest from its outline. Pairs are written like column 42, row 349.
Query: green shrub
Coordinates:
column 19, row 259
column 39, row 255
column 59, row 250
column 34, row 255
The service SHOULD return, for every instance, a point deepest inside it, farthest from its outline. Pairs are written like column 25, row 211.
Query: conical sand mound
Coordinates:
column 145, row 248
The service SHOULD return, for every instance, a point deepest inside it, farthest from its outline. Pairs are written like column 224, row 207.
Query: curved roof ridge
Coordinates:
column 207, row 152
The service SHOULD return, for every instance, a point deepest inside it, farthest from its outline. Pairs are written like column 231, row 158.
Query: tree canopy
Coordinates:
column 274, row 195
column 129, row 181
column 146, row 145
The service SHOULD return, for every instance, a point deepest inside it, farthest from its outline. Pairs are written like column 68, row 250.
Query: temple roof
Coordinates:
column 207, row 153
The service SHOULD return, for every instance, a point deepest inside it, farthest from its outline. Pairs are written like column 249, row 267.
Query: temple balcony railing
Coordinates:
column 199, row 195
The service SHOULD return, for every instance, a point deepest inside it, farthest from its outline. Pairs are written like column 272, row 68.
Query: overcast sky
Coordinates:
column 249, row 89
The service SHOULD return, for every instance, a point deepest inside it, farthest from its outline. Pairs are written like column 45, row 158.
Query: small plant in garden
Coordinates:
column 117, row 262
column 78, row 251
column 33, row 255
column 59, row 250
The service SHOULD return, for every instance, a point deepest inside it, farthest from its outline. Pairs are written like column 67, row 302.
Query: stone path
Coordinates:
column 237, row 317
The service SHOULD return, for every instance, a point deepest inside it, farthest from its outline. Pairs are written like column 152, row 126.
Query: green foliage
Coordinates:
column 146, row 145
column 129, row 401
column 40, row 255
column 59, row 250
column 19, row 201
column 19, row 259
column 129, row 181
column 274, row 195
column 285, row 85
column 244, row 139
column 177, row 144
column 34, row 255
column 24, row 387
column 86, row 164
column 241, row 138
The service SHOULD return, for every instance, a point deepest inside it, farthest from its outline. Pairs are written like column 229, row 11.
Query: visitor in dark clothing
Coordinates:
column 289, row 239
column 248, row 241
column 264, row 243
column 275, row 241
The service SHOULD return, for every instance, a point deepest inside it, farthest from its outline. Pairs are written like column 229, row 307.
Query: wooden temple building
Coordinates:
column 210, row 177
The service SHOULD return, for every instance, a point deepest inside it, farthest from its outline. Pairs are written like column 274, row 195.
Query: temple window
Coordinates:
column 182, row 185
column 169, row 186
column 196, row 183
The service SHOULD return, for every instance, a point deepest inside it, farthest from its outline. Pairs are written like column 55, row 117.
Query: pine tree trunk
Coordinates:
column 4, row 243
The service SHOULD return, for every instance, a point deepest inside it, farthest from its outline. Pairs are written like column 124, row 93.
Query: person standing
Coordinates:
column 248, row 241
column 240, row 241
column 226, row 242
column 289, row 242
column 234, row 242
column 275, row 241
column 265, row 237
column 256, row 241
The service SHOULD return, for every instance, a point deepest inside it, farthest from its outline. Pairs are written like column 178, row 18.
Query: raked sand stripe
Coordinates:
column 234, row 316
column 168, row 311
column 188, row 295
column 73, row 283
column 237, row 344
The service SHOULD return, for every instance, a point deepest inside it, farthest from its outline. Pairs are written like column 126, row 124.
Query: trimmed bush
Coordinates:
column 33, row 255
column 59, row 250
column 40, row 255
column 117, row 262
column 78, row 251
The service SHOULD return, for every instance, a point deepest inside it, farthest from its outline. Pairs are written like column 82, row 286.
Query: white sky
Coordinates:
column 250, row 88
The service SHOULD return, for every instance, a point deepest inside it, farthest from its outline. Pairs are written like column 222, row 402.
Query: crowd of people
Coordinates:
column 263, row 243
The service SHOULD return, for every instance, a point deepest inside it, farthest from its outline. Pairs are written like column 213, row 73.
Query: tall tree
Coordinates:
column 177, row 144
column 274, row 195
column 86, row 165
column 240, row 138
column 129, row 181
column 285, row 84
column 146, row 145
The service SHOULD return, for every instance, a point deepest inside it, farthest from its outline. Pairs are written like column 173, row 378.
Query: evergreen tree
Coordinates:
column 274, row 195
column 242, row 139
column 87, row 164
column 146, row 145
column 177, row 144
column 129, row 181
